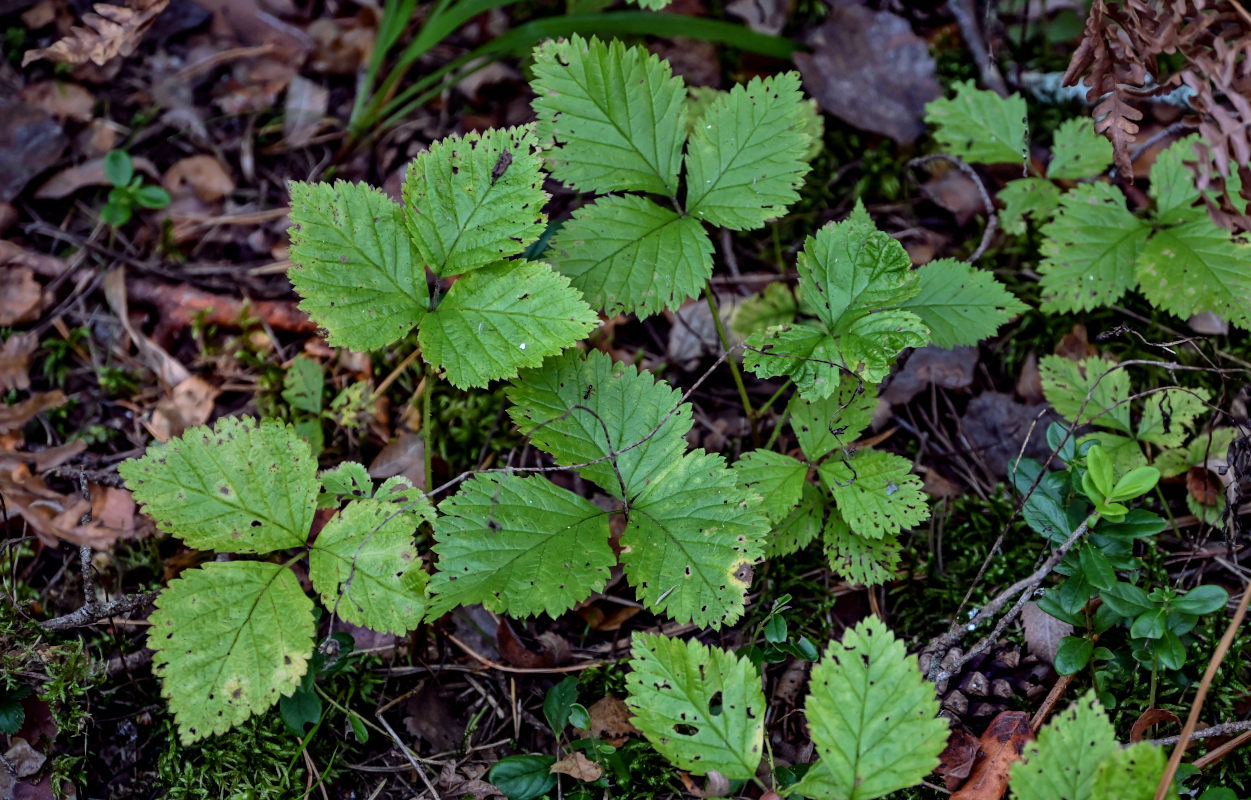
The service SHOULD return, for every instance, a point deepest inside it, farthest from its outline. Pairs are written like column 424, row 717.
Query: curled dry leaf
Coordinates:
column 61, row 99
column 52, row 516
column 1148, row 719
column 110, row 32
column 15, row 361
column 956, row 761
column 610, row 720
column 21, row 296
column 189, row 404
column 578, row 767
column 15, row 416
column 1002, row 744
column 89, row 173
column 203, row 176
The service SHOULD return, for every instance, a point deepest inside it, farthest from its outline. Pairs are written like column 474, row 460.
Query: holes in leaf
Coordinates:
column 682, row 729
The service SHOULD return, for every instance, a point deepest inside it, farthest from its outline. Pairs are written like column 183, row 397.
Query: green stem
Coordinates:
column 725, row 343
column 761, row 411
column 1155, row 668
column 773, row 437
column 425, row 428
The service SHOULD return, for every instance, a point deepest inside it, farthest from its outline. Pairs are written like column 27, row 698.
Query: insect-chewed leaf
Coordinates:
column 348, row 480
column 1197, row 266
column 804, row 353
column 366, row 569
column 236, row 487
column 979, row 125
column 867, row 696
column 1168, row 415
column 358, row 271
column 961, row 304
column 745, row 161
column 777, row 478
column 1032, row 197
column 1093, row 391
column 585, row 409
column 1064, row 761
column 230, row 638
column 498, row 319
column 1129, row 774
column 519, row 546
column 701, row 707
column 1089, row 249
column 470, row 201
column 1078, row 152
column 835, row 422
column 801, row 526
column 856, row 558
column 875, row 492
column 625, row 253
column 692, row 539
column 616, row 113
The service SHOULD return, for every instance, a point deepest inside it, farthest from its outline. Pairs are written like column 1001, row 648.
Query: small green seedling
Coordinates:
column 129, row 191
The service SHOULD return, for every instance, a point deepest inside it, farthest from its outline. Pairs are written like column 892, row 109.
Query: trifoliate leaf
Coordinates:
column 230, row 638
column 834, row 422
column 617, row 115
column 498, row 319
column 1129, row 774
column 366, row 569
column 1089, row 249
column 979, row 125
column 745, row 161
column 1196, row 266
column 1095, row 389
column 1173, row 184
column 804, row 353
column 961, row 304
column 700, row 707
column 1027, row 197
column 1064, row 761
column 519, row 546
column 857, row 558
column 692, row 538
column 473, row 200
column 1168, row 415
column 1078, row 152
column 235, row 487
column 774, row 306
column 851, row 268
column 582, row 410
column 627, row 254
column 801, row 527
column 359, row 273
column 777, row 478
column 875, row 492
column 866, row 697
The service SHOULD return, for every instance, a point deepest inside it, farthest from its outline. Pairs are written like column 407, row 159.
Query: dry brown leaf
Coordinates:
column 15, row 361
column 762, row 16
column 169, row 369
column 305, row 109
column 89, row 173
column 957, row 759
column 1147, row 720
column 578, row 767
column 52, row 457
column 15, row 416
column 112, row 31
column 189, row 404
column 31, row 141
column 1002, row 744
column 40, row 14
column 610, row 720
column 203, row 176
column 52, row 516
column 1043, row 632
column 404, row 455
column 21, row 295
column 340, row 47
column 12, row 255
column 61, row 99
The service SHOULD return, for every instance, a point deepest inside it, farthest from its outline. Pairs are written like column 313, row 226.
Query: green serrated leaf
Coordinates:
column 801, row 527
column 617, row 115
column 473, row 200
column 803, row 353
column 745, row 162
column 1129, row 774
column 961, row 304
column 1078, row 152
column 692, row 539
column 627, row 254
column 875, row 492
column 498, row 319
column 585, row 409
column 777, row 478
column 1169, row 414
column 1093, row 391
column 980, row 126
column 235, row 487
column 859, row 559
column 835, row 422
column 348, row 480
column 1197, row 266
column 1173, row 184
column 867, row 696
column 700, row 707
column 230, row 638
column 12, row 714
column 1064, row 761
column 774, row 306
column 366, row 569
column 1027, row 197
column 519, row 546
column 302, row 385
column 359, row 273
column 1089, row 249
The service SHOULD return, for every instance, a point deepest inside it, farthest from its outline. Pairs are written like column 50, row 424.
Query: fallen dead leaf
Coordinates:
column 1029, row 382
column 30, row 142
column 188, row 405
column 52, row 516
column 98, row 137
column 15, row 416
column 1002, row 744
column 1075, row 345
column 578, row 767
column 15, row 357
column 340, row 47
column 113, row 508
column 21, row 296
column 305, row 109
column 610, row 720
column 458, row 786
column 52, row 457
column 11, row 255
column 957, row 759
column 89, row 173
column 762, row 16
column 169, row 369
column 555, row 650
column 950, row 369
column 203, row 176
column 1043, row 632
column 61, row 99
column 1147, row 720
column 40, row 14
column 404, row 455
column 1204, row 486
column 110, row 32
column 433, row 719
